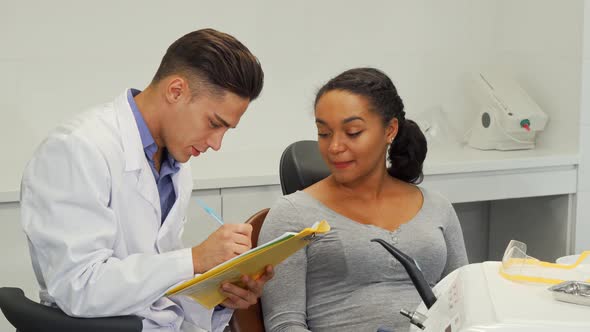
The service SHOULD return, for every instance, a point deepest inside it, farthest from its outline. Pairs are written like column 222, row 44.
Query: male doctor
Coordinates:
column 104, row 198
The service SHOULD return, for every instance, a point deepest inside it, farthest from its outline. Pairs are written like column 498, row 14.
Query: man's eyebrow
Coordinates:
column 223, row 122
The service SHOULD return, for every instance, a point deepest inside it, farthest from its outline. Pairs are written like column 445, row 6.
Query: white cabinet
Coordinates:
column 200, row 224
column 241, row 203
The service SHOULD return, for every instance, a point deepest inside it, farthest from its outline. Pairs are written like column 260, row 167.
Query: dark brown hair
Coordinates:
column 215, row 59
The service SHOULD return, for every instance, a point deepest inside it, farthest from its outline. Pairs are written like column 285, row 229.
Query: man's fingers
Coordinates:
column 224, row 244
column 236, row 234
column 269, row 272
column 257, row 285
column 234, row 302
column 229, row 303
column 235, row 290
column 254, row 286
column 239, row 249
column 243, row 240
column 244, row 229
column 243, row 298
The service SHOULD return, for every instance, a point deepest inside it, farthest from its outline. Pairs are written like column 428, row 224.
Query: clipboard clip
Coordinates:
column 310, row 237
column 313, row 237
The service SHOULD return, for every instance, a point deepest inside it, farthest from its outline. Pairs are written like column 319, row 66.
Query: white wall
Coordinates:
column 62, row 56
column 583, row 195
column 541, row 42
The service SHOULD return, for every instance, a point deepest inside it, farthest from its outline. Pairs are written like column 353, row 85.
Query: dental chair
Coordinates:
column 250, row 320
column 301, row 166
column 30, row 316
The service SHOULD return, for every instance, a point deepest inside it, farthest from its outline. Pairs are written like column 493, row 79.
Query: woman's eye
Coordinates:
column 355, row 134
column 323, row 135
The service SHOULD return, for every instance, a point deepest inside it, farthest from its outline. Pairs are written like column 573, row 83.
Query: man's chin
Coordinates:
column 183, row 158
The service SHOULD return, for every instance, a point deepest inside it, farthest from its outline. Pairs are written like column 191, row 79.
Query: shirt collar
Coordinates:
column 146, row 137
column 147, row 140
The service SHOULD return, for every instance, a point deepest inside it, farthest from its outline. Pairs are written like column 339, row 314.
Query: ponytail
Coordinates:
column 407, row 152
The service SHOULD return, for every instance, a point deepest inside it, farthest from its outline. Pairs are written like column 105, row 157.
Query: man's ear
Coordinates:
column 176, row 88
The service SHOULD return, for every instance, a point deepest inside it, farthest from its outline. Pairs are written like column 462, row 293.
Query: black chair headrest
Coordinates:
column 301, row 166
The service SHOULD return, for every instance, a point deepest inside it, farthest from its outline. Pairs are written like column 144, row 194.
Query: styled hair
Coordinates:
column 216, row 60
column 407, row 152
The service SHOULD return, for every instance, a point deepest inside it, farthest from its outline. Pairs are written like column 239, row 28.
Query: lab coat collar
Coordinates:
column 132, row 146
column 135, row 160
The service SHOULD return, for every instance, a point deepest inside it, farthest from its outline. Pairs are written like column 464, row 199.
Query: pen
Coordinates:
column 209, row 211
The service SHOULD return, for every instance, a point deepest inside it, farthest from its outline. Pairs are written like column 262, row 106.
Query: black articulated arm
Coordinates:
column 414, row 271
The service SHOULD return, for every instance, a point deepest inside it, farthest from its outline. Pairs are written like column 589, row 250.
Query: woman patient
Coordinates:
column 342, row 281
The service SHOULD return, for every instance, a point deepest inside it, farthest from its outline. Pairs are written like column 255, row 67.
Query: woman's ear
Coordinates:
column 391, row 130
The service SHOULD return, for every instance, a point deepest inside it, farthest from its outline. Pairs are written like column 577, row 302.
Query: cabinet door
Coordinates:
column 241, row 203
column 543, row 223
column 474, row 219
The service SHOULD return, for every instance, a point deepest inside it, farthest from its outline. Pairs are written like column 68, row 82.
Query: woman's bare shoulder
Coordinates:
column 318, row 190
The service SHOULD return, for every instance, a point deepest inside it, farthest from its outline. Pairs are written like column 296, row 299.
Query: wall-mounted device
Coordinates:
column 508, row 117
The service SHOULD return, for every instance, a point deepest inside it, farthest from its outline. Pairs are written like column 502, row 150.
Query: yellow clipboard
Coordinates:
column 205, row 287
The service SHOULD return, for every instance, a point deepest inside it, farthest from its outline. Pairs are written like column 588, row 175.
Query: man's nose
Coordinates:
column 215, row 140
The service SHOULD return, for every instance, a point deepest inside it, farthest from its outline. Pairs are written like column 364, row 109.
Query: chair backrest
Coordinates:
column 250, row 320
column 27, row 315
column 301, row 166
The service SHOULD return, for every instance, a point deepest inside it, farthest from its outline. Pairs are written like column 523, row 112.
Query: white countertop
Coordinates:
column 231, row 169
column 262, row 167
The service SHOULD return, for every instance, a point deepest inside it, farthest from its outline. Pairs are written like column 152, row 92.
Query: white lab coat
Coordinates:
column 91, row 211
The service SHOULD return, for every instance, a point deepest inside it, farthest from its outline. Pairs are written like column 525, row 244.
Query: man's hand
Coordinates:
column 227, row 242
column 242, row 298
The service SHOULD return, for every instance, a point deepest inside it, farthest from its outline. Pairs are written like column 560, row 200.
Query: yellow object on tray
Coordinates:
column 205, row 287
column 518, row 266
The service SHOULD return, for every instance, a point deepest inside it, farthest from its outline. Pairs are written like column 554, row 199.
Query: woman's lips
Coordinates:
column 342, row 164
